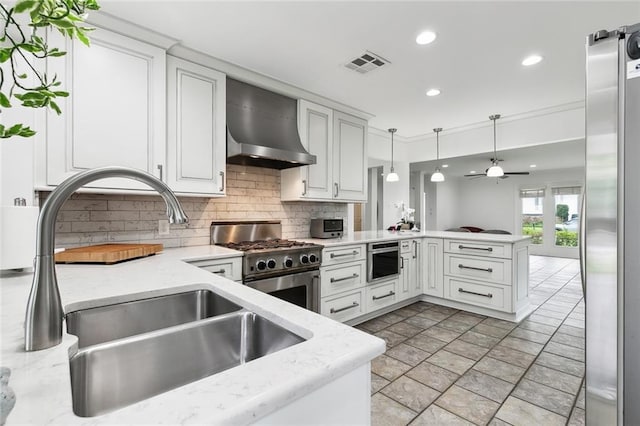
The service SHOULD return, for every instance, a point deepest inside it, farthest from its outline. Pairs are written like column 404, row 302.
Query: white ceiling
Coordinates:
column 475, row 60
column 555, row 156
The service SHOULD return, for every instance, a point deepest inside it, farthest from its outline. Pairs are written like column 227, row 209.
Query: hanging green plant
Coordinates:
column 23, row 44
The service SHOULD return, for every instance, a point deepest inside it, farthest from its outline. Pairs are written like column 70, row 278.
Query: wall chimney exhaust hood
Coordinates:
column 262, row 128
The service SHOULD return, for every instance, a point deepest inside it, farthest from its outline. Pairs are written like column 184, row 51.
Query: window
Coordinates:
column 532, row 210
column 567, row 202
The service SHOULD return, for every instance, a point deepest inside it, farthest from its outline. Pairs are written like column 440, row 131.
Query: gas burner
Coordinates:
column 275, row 243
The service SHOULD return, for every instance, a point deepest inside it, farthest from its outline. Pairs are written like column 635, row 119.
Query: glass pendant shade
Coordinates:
column 437, row 176
column 495, row 171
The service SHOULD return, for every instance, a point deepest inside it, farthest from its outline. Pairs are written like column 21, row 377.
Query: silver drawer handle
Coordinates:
column 222, row 179
column 461, row 266
column 304, row 187
column 461, row 247
column 391, row 293
column 335, row 311
column 337, row 280
column 219, row 271
column 489, row 295
column 353, row 253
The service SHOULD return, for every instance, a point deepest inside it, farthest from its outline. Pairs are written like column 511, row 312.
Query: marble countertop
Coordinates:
column 372, row 236
column 236, row 396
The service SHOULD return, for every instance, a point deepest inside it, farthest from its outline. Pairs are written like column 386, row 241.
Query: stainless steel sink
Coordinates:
column 130, row 364
column 111, row 322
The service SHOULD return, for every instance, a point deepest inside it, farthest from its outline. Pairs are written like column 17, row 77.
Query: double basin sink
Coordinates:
column 131, row 351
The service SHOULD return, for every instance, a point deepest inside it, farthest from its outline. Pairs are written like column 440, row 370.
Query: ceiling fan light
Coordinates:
column 495, row 171
column 393, row 177
column 437, row 176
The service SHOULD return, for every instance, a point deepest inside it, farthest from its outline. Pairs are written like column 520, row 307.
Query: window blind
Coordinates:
column 532, row 193
column 567, row 190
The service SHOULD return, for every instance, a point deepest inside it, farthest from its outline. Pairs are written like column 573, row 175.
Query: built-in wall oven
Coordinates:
column 383, row 261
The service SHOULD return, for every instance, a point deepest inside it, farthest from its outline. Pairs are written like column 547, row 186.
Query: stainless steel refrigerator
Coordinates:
column 611, row 251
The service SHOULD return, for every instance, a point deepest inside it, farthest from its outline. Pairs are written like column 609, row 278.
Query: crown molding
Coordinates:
column 130, row 29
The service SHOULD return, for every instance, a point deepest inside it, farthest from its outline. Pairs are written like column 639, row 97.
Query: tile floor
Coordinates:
column 449, row 367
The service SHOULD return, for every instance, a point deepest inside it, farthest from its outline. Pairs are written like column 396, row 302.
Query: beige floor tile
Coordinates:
column 433, row 315
column 390, row 337
column 374, row 325
column 490, row 330
column 387, row 412
column 426, row 343
column 494, row 322
column 388, row 368
column 574, row 353
column 408, row 354
column 479, row 339
column 569, row 340
column 540, row 328
column 452, row 362
column 553, row 322
column 497, row 422
column 441, row 333
column 488, row 386
column 518, row 412
column 468, row 405
column 500, row 369
column 511, row 356
column 577, row 418
column 530, row 335
column 377, row 383
column 467, row 350
column 561, row 363
column 543, row 396
column 421, row 322
column 572, row 331
column 532, row 348
column 433, row 376
column 390, row 318
column 436, row 416
column 405, row 329
column 457, row 326
column 554, row 378
column 580, row 400
column 411, row 393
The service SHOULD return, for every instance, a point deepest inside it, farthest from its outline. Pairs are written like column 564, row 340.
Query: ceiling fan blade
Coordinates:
column 476, row 175
column 516, row 173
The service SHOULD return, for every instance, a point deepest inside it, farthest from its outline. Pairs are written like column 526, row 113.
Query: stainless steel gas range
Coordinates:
column 287, row 269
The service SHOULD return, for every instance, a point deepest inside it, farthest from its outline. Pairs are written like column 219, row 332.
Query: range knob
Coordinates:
column 261, row 265
column 313, row 258
column 271, row 263
column 288, row 262
column 304, row 259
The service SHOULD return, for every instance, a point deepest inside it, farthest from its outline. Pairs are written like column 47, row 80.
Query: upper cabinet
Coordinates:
column 196, row 144
column 115, row 114
column 339, row 142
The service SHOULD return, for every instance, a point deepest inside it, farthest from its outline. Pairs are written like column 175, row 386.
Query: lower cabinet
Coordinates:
column 382, row 295
column 344, row 306
column 432, row 261
column 230, row 267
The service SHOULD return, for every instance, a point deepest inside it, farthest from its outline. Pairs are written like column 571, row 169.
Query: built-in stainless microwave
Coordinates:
column 383, row 261
column 327, row 228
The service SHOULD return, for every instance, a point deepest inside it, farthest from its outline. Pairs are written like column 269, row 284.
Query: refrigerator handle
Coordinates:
column 582, row 245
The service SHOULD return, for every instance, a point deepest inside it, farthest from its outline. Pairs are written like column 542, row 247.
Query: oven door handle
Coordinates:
column 384, row 250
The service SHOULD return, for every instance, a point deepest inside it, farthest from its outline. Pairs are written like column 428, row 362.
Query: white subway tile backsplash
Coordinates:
column 252, row 194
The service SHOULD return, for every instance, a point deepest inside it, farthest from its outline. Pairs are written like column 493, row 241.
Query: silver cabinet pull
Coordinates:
column 489, row 295
column 489, row 249
column 304, row 187
column 401, row 262
column 159, row 166
column 353, row 253
column 222, row 176
column 337, row 280
column 219, row 271
column 336, row 190
column 335, row 311
column 391, row 293
column 415, row 249
column 581, row 245
column 461, row 266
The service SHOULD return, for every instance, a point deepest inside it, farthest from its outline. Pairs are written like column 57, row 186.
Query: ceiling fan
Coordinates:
column 495, row 170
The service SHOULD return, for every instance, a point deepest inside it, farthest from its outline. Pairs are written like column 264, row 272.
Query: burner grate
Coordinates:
column 264, row 244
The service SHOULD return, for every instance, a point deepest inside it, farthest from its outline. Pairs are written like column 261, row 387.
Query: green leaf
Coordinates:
column 4, row 101
column 1, row 129
column 24, row 5
column 54, row 106
column 62, row 23
column 30, row 47
column 14, row 129
column 83, row 38
column 62, row 94
column 5, row 54
column 26, row 132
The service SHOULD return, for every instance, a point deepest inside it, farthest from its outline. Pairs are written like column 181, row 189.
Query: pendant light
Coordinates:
column 495, row 170
column 393, row 176
column 437, row 176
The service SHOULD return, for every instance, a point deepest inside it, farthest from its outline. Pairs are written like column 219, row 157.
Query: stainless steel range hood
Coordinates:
column 262, row 128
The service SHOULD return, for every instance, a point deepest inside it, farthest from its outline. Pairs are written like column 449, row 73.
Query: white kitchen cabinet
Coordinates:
column 115, row 114
column 230, row 267
column 339, row 142
column 382, row 295
column 410, row 284
column 196, row 123
column 432, row 270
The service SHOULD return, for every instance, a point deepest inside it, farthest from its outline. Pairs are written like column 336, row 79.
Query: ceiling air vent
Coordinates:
column 366, row 62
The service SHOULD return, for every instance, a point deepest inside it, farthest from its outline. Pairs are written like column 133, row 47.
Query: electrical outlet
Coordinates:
column 163, row 227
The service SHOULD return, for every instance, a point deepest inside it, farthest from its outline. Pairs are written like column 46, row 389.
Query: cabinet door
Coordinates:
column 315, row 126
column 115, row 114
column 196, row 143
column 405, row 287
column 349, row 157
column 432, row 262
column 415, row 273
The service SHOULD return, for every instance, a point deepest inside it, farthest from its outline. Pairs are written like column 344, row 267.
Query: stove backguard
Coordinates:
column 234, row 232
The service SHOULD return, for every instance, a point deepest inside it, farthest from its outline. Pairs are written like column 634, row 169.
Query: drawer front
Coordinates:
column 480, row 294
column 405, row 246
column 230, row 268
column 335, row 255
column 481, row 268
column 381, row 295
column 478, row 248
column 343, row 277
column 344, row 306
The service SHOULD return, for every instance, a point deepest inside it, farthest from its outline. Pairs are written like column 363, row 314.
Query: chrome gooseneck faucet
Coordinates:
column 43, row 322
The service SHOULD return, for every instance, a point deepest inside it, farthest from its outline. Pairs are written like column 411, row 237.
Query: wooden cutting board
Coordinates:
column 107, row 253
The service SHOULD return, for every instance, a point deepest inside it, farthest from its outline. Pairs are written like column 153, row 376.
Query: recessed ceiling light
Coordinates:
column 426, row 37
column 444, row 166
column 533, row 166
column 433, row 92
column 531, row 60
